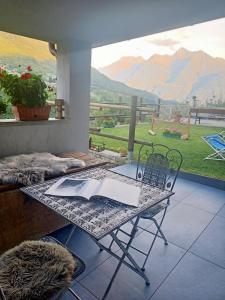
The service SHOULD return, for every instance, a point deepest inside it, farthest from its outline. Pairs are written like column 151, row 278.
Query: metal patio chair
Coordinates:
column 158, row 166
column 10, row 285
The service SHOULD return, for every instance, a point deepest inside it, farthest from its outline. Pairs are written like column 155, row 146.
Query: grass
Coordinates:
column 193, row 150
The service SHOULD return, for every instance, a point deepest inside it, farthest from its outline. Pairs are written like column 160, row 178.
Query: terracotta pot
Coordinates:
column 23, row 113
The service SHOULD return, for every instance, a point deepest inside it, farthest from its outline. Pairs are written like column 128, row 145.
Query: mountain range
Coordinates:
column 173, row 77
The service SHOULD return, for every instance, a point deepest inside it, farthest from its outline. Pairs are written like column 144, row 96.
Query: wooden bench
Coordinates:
column 24, row 219
column 209, row 113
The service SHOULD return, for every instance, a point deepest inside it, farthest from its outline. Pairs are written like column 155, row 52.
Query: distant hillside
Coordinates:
column 45, row 67
column 17, row 50
column 103, row 82
column 15, row 45
column 178, row 76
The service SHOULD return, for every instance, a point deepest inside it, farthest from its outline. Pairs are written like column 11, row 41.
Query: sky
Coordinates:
column 208, row 36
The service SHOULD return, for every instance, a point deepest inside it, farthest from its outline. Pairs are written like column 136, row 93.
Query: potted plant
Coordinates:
column 172, row 133
column 27, row 93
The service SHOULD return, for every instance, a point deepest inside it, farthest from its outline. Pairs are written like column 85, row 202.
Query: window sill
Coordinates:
column 13, row 122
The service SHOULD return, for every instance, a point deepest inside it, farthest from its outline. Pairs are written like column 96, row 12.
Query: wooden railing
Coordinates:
column 59, row 104
column 135, row 111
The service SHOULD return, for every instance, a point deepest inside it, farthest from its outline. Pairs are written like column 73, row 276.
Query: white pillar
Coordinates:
column 73, row 85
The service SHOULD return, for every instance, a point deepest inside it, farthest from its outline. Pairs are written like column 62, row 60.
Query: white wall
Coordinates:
column 73, row 73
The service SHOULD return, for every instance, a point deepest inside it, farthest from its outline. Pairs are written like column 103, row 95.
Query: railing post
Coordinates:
column 120, row 111
column 90, row 142
column 132, row 127
column 158, row 108
column 140, row 112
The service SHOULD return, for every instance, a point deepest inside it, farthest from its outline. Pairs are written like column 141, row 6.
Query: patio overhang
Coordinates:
column 102, row 22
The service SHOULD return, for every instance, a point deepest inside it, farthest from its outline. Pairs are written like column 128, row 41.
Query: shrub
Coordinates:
column 108, row 123
column 172, row 132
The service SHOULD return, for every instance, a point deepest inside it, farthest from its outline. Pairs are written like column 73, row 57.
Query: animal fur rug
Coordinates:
column 35, row 270
column 29, row 169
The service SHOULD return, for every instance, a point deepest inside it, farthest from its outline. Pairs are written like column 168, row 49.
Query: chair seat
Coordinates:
column 80, row 265
column 38, row 270
column 216, row 142
column 150, row 213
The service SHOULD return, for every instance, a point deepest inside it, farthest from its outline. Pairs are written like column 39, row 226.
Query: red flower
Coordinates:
column 25, row 76
column 28, row 75
column 29, row 68
column 1, row 72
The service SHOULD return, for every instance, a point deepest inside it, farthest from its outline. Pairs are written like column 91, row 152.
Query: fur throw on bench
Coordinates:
column 29, row 169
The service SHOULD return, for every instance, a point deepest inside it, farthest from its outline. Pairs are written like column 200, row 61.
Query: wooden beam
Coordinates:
column 118, row 106
column 118, row 138
column 110, row 136
column 109, row 116
column 104, row 105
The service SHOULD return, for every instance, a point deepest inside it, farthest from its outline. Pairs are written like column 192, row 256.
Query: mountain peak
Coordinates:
column 132, row 58
column 158, row 58
column 129, row 60
column 124, row 63
column 182, row 53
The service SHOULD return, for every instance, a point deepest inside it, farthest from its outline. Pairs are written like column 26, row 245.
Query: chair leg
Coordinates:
column 135, row 230
column 70, row 235
column 154, row 239
column 59, row 295
column 110, row 246
column 160, row 231
column 74, row 294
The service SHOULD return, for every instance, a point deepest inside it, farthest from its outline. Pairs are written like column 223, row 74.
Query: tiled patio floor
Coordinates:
column 191, row 267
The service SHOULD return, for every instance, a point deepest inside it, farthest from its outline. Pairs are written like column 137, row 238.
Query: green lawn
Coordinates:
column 194, row 150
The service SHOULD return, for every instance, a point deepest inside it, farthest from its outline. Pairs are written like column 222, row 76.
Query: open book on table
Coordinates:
column 91, row 188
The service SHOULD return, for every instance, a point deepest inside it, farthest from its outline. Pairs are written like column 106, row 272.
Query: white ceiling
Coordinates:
column 99, row 22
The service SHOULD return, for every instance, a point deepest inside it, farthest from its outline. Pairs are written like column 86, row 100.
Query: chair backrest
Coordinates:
column 158, row 165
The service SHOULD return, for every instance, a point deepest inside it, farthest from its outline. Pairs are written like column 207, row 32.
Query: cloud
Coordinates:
column 164, row 42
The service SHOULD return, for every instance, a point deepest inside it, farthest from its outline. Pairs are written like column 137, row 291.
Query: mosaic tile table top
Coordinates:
column 99, row 217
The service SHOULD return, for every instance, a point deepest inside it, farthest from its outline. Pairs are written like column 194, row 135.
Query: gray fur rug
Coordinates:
column 35, row 270
column 29, row 169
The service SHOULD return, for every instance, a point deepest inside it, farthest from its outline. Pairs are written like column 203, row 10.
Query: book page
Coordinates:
column 119, row 191
column 70, row 187
column 91, row 188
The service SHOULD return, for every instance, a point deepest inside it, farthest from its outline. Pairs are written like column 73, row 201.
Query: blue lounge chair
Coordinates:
column 217, row 143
